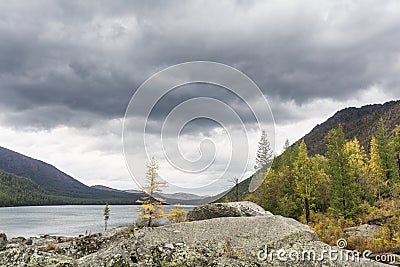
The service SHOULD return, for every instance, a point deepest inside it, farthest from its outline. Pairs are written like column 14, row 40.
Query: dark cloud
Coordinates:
column 74, row 62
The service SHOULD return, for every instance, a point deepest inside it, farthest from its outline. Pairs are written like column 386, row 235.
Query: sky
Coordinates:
column 68, row 70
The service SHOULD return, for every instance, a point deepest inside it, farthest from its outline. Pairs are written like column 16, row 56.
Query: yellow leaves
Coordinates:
column 376, row 170
column 151, row 210
column 305, row 173
column 148, row 207
column 176, row 214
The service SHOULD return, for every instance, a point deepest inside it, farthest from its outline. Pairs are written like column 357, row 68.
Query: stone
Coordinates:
column 229, row 209
column 363, row 231
column 169, row 245
column 224, row 241
column 3, row 241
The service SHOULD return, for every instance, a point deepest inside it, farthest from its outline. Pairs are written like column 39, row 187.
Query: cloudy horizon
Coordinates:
column 68, row 70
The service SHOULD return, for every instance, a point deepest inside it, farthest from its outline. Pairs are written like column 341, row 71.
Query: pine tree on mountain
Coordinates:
column 264, row 156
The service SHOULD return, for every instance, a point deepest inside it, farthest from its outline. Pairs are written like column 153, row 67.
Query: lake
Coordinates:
column 68, row 220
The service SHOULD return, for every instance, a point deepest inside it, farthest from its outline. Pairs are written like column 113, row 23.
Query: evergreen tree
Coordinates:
column 322, row 198
column 387, row 153
column 151, row 209
column 396, row 147
column 286, row 145
column 345, row 193
column 264, row 156
column 106, row 216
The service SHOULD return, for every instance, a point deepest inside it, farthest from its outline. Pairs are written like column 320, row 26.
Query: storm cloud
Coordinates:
column 76, row 64
column 90, row 57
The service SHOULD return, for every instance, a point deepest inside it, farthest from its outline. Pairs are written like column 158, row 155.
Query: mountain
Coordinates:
column 109, row 189
column 357, row 122
column 181, row 196
column 16, row 190
column 57, row 183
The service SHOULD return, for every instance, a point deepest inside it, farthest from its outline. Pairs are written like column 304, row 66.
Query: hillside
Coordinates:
column 20, row 191
column 56, row 182
column 357, row 122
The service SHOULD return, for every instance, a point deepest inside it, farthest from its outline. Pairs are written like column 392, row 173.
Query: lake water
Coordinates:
column 69, row 220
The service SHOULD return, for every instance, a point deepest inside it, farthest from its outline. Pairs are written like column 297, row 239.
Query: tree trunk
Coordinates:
column 307, row 209
column 237, row 192
column 149, row 223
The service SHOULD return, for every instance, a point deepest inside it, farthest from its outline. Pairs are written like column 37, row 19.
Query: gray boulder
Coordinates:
column 3, row 240
column 363, row 231
column 235, row 241
column 230, row 209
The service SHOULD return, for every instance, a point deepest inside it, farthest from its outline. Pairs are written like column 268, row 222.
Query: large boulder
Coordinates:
column 235, row 241
column 3, row 240
column 230, row 209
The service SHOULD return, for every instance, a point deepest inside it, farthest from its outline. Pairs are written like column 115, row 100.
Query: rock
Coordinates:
column 363, row 231
column 169, row 245
column 240, row 241
column 225, row 241
column 3, row 241
column 230, row 209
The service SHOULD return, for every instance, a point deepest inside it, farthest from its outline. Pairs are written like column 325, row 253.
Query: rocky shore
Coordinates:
column 248, row 237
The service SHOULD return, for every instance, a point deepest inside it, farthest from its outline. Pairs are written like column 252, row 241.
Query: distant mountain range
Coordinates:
column 173, row 198
column 27, row 181
column 50, row 181
column 357, row 122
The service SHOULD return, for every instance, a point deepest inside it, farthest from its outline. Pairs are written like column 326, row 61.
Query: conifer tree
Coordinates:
column 264, row 156
column 396, row 147
column 376, row 171
column 151, row 208
column 106, row 216
column 345, row 193
column 358, row 167
column 386, row 153
column 305, row 174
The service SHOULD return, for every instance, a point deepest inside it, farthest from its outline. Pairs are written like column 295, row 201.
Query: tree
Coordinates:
column 345, row 193
column 235, row 182
column 376, row 171
column 387, row 153
column 358, row 167
column 151, row 208
column 322, row 198
column 305, row 174
column 286, row 145
column 177, row 214
column 396, row 147
column 106, row 216
column 264, row 156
